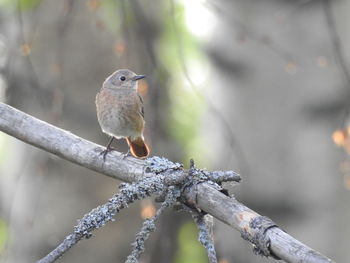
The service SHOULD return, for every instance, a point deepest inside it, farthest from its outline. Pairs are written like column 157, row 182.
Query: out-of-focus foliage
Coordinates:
column 178, row 47
column 190, row 250
column 23, row 4
column 3, row 235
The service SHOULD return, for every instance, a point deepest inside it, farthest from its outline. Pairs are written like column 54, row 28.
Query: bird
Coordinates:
column 120, row 112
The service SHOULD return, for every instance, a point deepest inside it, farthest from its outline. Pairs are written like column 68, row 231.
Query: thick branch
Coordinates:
column 240, row 217
column 67, row 145
column 251, row 225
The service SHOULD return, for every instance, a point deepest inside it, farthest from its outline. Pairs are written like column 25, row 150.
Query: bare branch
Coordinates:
column 68, row 146
column 230, row 211
column 149, row 226
column 205, row 236
column 263, row 233
column 101, row 215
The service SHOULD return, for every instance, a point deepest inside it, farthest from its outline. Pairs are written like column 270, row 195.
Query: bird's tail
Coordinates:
column 138, row 147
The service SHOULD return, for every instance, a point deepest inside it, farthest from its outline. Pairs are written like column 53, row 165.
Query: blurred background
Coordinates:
column 260, row 87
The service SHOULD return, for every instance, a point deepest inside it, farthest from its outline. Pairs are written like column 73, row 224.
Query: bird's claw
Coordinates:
column 105, row 152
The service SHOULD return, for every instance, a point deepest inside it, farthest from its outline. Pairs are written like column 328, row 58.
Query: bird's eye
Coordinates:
column 122, row 78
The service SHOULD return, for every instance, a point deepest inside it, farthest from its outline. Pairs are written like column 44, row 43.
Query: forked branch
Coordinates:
column 265, row 235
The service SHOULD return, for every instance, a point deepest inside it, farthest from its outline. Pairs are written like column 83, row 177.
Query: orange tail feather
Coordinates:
column 138, row 147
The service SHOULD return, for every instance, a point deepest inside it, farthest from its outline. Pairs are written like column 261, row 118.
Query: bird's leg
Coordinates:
column 126, row 154
column 108, row 149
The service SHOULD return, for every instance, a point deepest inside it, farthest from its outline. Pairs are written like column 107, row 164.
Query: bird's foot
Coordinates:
column 124, row 155
column 105, row 152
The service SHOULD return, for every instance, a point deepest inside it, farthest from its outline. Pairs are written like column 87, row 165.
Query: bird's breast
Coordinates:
column 118, row 112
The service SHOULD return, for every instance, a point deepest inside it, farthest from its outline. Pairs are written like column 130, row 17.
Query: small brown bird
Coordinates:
column 120, row 111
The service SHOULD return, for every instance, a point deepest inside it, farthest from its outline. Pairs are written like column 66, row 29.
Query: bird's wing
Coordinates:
column 142, row 111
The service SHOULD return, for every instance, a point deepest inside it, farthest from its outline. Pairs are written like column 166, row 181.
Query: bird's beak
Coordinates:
column 137, row 77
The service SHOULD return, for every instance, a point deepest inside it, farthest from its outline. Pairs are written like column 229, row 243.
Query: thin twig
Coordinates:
column 36, row 85
column 278, row 50
column 338, row 50
column 205, row 234
column 149, row 225
column 101, row 215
